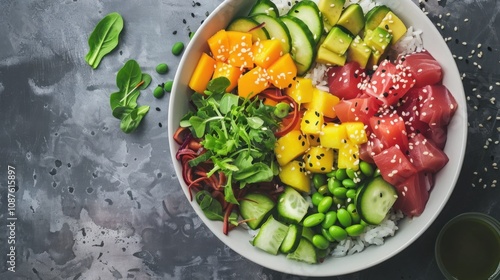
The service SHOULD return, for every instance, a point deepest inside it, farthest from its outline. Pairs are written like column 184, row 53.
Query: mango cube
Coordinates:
column 312, row 122
column 232, row 73
column 252, row 82
column 282, row 72
column 294, row 175
column 323, row 102
column 319, row 159
column 240, row 49
column 202, row 73
column 290, row 146
column 356, row 132
column 266, row 52
column 333, row 136
column 301, row 90
column 349, row 156
column 219, row 45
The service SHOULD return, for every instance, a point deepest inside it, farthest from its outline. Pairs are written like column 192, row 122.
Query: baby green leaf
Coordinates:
column 210, row 206
column 146, row 78
column 104, row 38
column 255, row 122
column 132, row 120
column 198, row 126
column 227, row 102
column 218, row 85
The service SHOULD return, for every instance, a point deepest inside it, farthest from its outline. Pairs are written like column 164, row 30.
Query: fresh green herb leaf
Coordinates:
column 227, row 102
column 146, row 78
column 131, row 121
column 104, row 38
column 255, row 122
column 218, row 85
column 210, row 206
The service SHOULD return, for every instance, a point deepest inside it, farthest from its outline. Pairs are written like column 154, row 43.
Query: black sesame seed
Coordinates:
column 489, row 48
column 184, row 21
column 306, row 121
column 323, row 169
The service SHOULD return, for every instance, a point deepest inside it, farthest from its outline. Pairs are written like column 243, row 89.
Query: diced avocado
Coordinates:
column 352, row 18
column 358, row 51
column 328, row 57
column 331, row 10
column 394, row 25
column 378, row 39
column 375, row 16
column 374, row 59
column 337, row 40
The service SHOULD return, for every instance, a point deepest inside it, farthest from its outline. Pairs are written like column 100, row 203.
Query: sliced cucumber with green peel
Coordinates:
column 305, row 252
column 292, row 239
column 270, row 236
column 303, row 45
column 249, row 25
column 254, row 208
column 292, row 206
column 266, row 7
column 308, row 12
column 375, row 16
column 374, row 200
column 276, row 30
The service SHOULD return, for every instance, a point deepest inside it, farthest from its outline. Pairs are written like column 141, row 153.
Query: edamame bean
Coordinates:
column 355, row 230
column 348, row 183
column 327, row 235
column 351, row 193
column 337, row 233
column 162, row 68
column 325, row 204
column 333, row 183
column 330, row 219
column 344, row 217
column 320, row 242
column 366, row 168
column 319, row 180
column 177, row 48
column 340, row 192
column 331, row 174
column 314, row 219
column 323, row 190
column 339, row 202
column 341, row 174
column 316, row 198
column 168, row 85
column 350, row 173
column 158, row 92
column 351, row 208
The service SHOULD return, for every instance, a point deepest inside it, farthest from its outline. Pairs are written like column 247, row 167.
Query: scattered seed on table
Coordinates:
column 177, row 48
column 168, row 86
column 158, row 92
column 162, row 68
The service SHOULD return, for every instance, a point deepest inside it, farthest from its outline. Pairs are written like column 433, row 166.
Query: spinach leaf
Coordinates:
column 210, row 206
column 131, row 121
column 104, row 38
column 146, row 78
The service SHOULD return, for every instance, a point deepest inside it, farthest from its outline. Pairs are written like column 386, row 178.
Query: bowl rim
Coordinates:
column 393, row 244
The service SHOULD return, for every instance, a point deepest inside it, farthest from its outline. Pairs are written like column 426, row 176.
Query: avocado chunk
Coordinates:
column 375, row 16
column 352, row 19
column 331, row 10
column 378, row 39
column 337, row 40
column 328, row 57
column 394, row 25
column 358, row 51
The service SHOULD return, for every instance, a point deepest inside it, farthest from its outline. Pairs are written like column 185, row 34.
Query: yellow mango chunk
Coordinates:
column 240, row 49
column 202, row 73
column 312, row 122
column 219, row 46
column 301, row 90
column 323, row 102
column 290, row 146
column 252, row 82
column 226, row 70
column 313, row 140
column 282, row 72
column 333, row 136
column 266, row 52
column 294, row 175
column 319, row 159
column 349, row 156
column 356, row 132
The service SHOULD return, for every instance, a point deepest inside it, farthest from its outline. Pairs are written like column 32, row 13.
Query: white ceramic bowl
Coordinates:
column 409, row 230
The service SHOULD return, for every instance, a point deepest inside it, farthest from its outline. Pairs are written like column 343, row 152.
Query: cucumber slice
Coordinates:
column 375, row 16
column 266, row 7
column 292, row 206
column 374, row 200
column 249, row 25
column 303, row 46
column 292, row 239
column 276, row 30
column 305, row 252
column 254, row 208
column 308, row 12
column 270, row 236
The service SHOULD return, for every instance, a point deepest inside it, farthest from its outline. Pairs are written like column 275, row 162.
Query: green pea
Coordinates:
column 351, row 208
column 316, row 198
column 344, row 217
column 327, row 235
column 348, row 183
column 162, row 68
column 177, row 48
column 281, row 110
column 320, row 242
column 366, row 168
column 331, row 174
column 341, row 174
column 318, row 179
column 323, row 190
column 158, row 92
column 330, row 219
column 340, row 192
column 337, row 233
column 351, row 193
column 168, row 86
column 355, row 230
column 325, row 204
column 333, row 183
column 314, row 219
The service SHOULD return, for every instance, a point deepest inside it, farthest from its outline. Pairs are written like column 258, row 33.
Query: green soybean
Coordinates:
column 316, row 198
column 333, row 184
column 337, row 233
column 344, row 217
column 158, row 92
column 351, row 208
column 350, row 173
column 168, row 85
column 319, row 180
column 325, row 204
column 341, row 174
column 314, row 220
column 330, row 219
column 351, row 193
column 162, row 68
column 340, row 192
column 331, row 174
column 323, row 190
column 177, row 48
column 355, row 230
column 320, row 242
column 348, row 183
column 366, row 168
column 327, row 235
column 338, row 201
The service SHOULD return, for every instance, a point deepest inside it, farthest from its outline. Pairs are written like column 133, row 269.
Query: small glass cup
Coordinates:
column 468, row 247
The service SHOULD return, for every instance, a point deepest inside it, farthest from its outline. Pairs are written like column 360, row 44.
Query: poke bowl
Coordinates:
column 401, row 224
